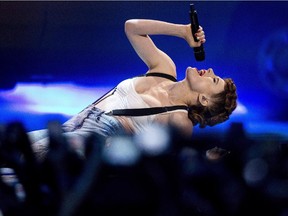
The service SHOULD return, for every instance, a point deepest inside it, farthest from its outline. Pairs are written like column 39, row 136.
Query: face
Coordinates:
column 204, row 81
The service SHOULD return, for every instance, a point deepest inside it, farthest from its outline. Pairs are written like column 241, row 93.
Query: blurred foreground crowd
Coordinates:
column 156, row 173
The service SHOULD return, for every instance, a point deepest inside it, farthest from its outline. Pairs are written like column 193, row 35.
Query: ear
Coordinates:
column 203, row 100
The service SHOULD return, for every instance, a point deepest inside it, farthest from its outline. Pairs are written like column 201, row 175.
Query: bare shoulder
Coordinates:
column 181, row 121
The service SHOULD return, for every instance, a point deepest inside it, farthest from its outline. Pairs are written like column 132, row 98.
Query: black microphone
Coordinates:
column 198, row 51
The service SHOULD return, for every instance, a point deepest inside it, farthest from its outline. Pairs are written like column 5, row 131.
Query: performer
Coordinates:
column 201, row 98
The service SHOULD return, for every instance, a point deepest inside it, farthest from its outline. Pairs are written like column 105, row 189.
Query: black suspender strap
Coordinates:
column 144, row 111
column 156, row 74
column 166, row 76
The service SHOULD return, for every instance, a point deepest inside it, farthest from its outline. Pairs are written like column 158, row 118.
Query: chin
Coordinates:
column 191, row 72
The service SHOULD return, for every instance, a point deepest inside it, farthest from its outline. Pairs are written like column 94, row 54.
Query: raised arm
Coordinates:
column 138, row 31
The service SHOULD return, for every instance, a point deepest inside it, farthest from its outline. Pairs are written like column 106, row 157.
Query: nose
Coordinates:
column 210, row 71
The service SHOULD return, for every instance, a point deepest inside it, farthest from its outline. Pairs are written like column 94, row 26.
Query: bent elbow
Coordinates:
column 130, row 26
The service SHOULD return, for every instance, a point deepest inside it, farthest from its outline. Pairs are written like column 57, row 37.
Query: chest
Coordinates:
column 153, row 93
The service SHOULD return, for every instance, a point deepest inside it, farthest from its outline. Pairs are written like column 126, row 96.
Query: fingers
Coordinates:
column 200, row 35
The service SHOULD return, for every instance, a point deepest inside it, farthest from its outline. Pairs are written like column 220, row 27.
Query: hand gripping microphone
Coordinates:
column 199, row 52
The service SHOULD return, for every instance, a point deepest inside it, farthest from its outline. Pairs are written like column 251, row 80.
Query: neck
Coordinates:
column 180, row 94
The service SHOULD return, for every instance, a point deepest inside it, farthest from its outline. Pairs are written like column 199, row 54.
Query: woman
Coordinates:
column 201, row 97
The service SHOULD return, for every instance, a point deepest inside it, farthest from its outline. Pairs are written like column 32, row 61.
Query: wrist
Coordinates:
column 179, row 31
column 188, row 36
column 185, row 30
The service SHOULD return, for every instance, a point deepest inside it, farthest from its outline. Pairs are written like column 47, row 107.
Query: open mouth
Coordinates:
column 201, row 72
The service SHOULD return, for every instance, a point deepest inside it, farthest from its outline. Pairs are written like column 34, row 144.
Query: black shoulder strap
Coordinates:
column 145, row 111
column 157, row 74
column 152, row 110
